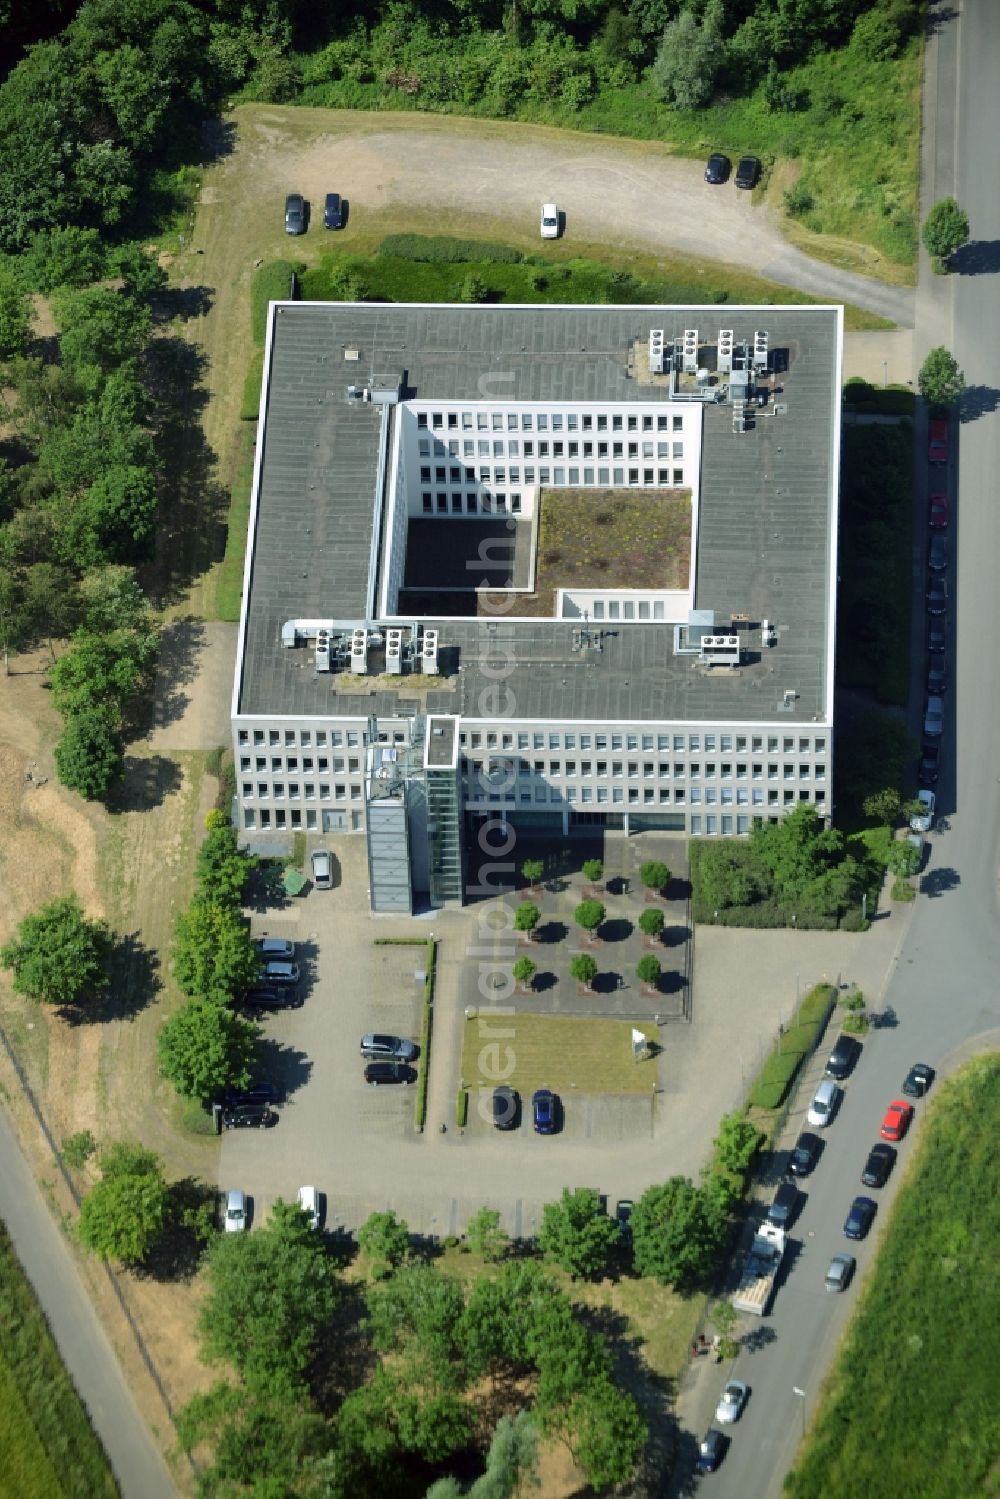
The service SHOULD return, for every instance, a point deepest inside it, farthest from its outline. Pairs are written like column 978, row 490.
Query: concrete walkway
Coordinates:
column 79, row 1335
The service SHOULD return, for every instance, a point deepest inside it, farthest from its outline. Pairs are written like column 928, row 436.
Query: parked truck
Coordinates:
column 760, row 1270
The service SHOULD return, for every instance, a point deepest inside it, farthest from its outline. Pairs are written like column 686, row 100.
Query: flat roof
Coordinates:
column 766, row 535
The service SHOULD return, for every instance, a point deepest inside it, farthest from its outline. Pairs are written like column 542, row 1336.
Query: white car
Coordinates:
column 923, row 821
column 823, row 1105
column 550, row 221
column 732, row 1401
column 322, row 868
column 235, row 1216
column 308, row 1201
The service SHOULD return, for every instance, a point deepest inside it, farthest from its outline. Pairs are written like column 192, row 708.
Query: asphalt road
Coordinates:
column 82, row 1341
column 944, row 989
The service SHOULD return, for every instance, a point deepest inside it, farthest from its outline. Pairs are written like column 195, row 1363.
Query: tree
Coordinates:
column 258, row 1437
column 124, row 1214
column 270, row 1296
column 651, row 922
column 121, row 509
column 98, row 326
column 485, row 1235
column 879, row 33
column 90, row 754
column 940, row 381
column 729, row 874
column 222, row 870
column 737, row 1142
column 583, row 968
column 675, row 1234
column 15, row 315
column 604, row 1430
column 946, row 229
column 64, row 256
column 689, row 57
column 725, row 1317
column 213, row 954
column 532, row 871
column 593, row 871
column 589, row 915
column 577, row 1233
column 511, row 1460
column 415, row 1316
column 524, row 971
column 385, row 1239
column 58, row 955
column 205, row 1048
column 902, row 859
column 648, row 970
column 654, row 875
column 796, row 850
column 103, row 672
column 526, row 917
column 883, row 805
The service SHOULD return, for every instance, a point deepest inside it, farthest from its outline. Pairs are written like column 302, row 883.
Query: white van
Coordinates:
column 824, row 1105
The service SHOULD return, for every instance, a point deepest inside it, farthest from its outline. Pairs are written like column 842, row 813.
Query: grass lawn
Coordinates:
column 569, row 1054
column 47, row 1443
column 911, row 1405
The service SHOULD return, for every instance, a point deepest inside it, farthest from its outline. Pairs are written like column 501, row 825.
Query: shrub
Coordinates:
column 77, row 1149
column 799, row 200
column 856, row 1025
column 903, row 891
column 461, row 1108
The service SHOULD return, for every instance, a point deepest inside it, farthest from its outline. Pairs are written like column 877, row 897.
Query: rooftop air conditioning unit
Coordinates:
column 689, row 351
column 359, row 652
column 394, row 652
column 760, row 352
column 322, row 650
column 656, row 351
column 724, row 363
column 429, row 653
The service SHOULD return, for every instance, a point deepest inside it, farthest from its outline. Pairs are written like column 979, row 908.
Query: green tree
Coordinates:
column 15, row 315
column 654, row 875
column 648, row 969
column 689, row 57
column 532, row 871
column 103, row 673
column 526, row 917
column 879, row 34
column 98, row 326
column 946, row 229
column 125, row 1213
column 415, row 1315
column 77, row 1149
column 430, row 1425
column 58, row 955
column 214, row 957
column 725, row 1317
column 593, row 871
column 222, row 870
column 577, row 1233
column 141, row 272
column 259, row 1438
column 604, row 1430
column 205, row 1048
column 940, row 381
column 583, row 968
column 270, row 1296
column 385, row 1239
column 651, row 921
column 524, row 971
column 737, row 1142
column 883, row 805
column 485, row 1236
column 64, row 256
column 902, row 859
column 90, row 754
column 121, row 510
column 729, row 874
column 589, row 915
column 796, row 850
column 675, row 1234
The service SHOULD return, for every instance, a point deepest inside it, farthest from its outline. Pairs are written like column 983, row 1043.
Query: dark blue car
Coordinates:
column 544, row 1107
column 859, row 1219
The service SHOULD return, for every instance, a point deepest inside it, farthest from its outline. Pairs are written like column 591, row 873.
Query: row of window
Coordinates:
column 653, row 770
column 486, row 504
column 679, row 743
column 275, row 791
column 514, row 448
column 290, row 764
column 496, row 478
column 306, row 738
column 713, row 824
column 694, row 796
column 549, row 421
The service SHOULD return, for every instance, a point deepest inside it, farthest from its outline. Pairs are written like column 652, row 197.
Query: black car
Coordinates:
column 930, row 764
column 859, row 1219
column 295, row 214
column 918, row 1080
column 248, row 1116
column 881, row 1159
column 937, row 553
column 258, row 1092
column 937, row 635
column 805, row 1154
column 506, row 1107
column 333, row 212
column 937, row 676
column 785, row 1205
column 937, row 594
column 717, row 169
column 711, row 1451
column 271, row 999
column 747, row 172
column 379, row 1073
column 843, row 1057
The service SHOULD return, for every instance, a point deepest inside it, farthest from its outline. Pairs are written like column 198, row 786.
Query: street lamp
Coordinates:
column 802, row 1396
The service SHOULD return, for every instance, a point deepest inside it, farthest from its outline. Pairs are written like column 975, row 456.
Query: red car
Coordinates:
column 897, row 1120
column 937, row 447
column 937, row 512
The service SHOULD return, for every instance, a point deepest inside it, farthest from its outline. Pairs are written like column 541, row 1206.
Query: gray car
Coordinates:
column 321, row 860
column 235, row 1215
column 731, row 1402
column 839, row 1272
column 379, row 1048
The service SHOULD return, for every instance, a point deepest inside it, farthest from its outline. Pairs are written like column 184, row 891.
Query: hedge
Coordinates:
column 462, row 1108
column 271, row 283
column 776, row 1076
column 443, row 248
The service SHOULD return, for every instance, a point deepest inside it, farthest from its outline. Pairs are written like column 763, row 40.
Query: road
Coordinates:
column 944, row 986
column 82, row 1341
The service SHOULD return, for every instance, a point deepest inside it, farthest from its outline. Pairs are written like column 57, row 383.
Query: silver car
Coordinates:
column 821, row 1110
column 275, row 947
column 839, row 1272
column 322, row 868
column 235, row 1215
column 731, row 1402
column 378, row 1048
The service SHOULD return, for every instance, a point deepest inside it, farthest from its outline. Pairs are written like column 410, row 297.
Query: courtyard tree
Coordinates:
column 214, row 957
column 526, row 917
column 676, row 1233
column 946, row 229
column 737, row 1142
column 654, row 875
column 577, row 1233
column 648, row 970
column 205, row 1048
column 124, row 1214
column 583, row 968
column 651, row 922
column 58, row 955
column 589, row 915
column 524, row 971
column 385, row 1239
column 883, row 805
column 532, row 871
column 485, row 1236
column 593, row 871
column 940, row 381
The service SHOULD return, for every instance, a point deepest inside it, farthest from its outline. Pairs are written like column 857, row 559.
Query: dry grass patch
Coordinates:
column 583, row 1054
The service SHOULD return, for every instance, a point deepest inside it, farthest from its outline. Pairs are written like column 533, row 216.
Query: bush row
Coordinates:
column 793, row 1047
